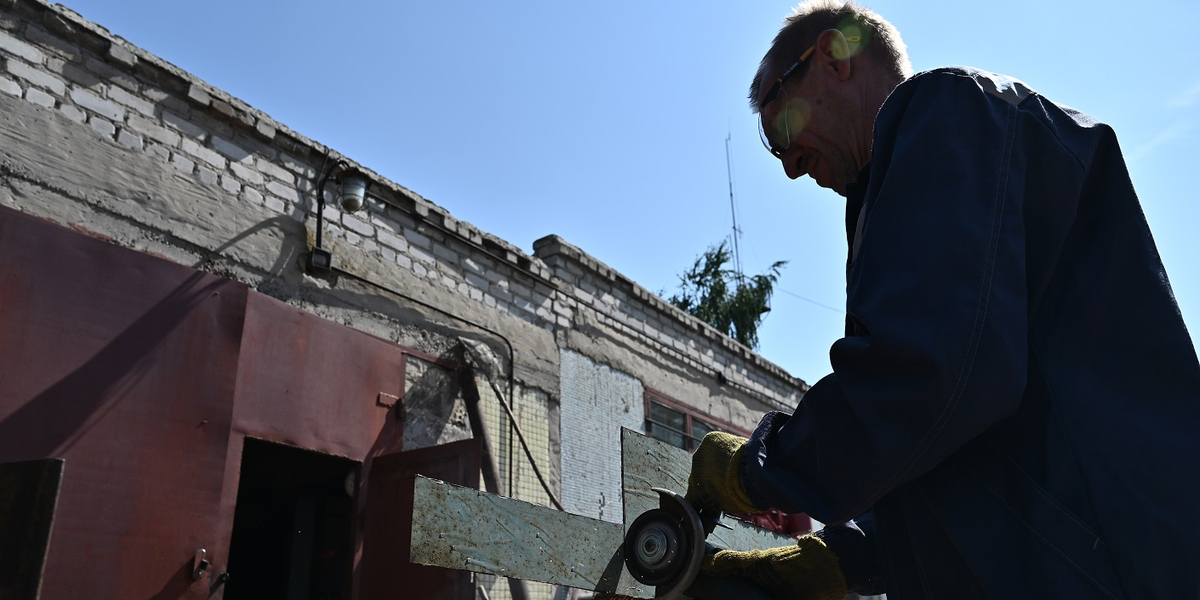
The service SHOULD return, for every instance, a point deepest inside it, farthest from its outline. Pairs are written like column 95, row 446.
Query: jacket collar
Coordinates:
column 856, row 193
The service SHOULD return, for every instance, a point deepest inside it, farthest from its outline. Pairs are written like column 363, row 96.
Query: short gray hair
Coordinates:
column 878, row 38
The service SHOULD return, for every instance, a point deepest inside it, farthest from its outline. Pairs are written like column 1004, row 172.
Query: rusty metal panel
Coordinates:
column 386, row 567
column 312, row 383
column 647, row 463
column 28, row 495
column 462, row 528
column 123, row 364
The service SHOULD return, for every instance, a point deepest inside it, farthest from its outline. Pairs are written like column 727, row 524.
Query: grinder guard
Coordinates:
column 664, row 547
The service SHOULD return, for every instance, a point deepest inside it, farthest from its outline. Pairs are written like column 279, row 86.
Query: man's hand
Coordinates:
column 806, row 571
column 715, row 482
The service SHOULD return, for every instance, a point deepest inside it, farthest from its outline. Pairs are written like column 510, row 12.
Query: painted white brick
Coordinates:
column 286, row 192
column 297, row 166
column 390, row 255
column 252, row 195
column 199, row 95
column 231, row 150
column 230, row 184
column 386, row 223
column 246, row 174
column 10, row 87
column 446, row 252
column 276, row 204
column 330, row 213
column 102, row 127
column 98, row 105
column 419, row 269
column 207, row 176
column 122, row 55
column 416, row 239
column 356, row 224
column 20, row 48
column 563, row 310
column 37, row 77
column 477, row 281
column 421, row 255
column 120, row 96
column 183, row 163
column 274, row 170
column 390, row 239
column 159, row 151
column 298, row 214
column 39, row 97
column 264, row 128
column 153, row 130
column 129, row 139
column 400, row 259
column 200, row 152
column 353, row 238
column 188, row 128
column 473, row 266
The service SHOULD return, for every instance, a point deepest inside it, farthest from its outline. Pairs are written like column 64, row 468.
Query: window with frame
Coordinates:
column 680, row 425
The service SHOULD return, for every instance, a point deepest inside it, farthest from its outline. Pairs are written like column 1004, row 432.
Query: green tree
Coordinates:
column 732, row 303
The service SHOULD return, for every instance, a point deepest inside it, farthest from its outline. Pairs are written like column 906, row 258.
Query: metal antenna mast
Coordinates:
column 737, row 233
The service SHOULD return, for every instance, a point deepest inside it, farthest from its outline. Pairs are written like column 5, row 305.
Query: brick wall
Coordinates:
column 102, row 136
column 105, row 138
column 57, row 61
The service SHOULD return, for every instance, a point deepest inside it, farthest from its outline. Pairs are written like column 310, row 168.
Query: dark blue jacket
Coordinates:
column 1017, row 399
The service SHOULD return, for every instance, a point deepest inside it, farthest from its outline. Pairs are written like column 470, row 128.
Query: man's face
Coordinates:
column 819, row 126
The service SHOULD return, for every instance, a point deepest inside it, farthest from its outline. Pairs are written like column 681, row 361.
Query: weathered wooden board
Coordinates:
column 648, row 463
column 462, row 528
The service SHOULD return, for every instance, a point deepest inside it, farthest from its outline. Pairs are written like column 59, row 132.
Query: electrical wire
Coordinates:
column 811, row 301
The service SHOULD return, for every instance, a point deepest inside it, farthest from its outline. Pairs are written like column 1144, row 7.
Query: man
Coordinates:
column 1015, row 408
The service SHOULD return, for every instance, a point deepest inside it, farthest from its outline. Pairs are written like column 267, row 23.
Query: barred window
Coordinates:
column 678, row 424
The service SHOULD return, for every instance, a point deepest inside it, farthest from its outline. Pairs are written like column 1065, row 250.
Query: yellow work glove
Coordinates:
column 807, row 571
column 715, row 482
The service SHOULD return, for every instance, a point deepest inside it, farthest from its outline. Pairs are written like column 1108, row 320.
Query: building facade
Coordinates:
column 175, row 367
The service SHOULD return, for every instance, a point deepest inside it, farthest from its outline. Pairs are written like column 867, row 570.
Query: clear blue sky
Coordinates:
column 605, row 123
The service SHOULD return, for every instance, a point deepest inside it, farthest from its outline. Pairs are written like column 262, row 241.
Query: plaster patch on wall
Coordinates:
column 597, row 401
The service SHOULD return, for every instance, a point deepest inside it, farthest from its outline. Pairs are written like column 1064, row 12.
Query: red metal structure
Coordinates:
column 166, row 390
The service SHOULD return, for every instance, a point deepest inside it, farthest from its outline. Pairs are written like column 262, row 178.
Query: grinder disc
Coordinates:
column 664, row 547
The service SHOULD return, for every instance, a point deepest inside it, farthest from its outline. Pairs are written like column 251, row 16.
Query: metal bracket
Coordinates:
column 387, row 400
column 199, row 564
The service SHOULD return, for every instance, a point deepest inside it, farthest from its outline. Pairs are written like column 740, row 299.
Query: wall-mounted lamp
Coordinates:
column 352, row 193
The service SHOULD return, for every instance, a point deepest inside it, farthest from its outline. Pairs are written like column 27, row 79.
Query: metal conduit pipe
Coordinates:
column 491, row 473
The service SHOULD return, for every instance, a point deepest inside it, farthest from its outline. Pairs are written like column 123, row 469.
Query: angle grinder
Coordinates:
column 665, row 546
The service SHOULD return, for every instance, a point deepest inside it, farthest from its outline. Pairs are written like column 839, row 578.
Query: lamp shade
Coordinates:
column 352, row 189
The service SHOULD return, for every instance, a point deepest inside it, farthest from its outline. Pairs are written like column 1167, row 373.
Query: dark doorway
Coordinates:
column 293, row 525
